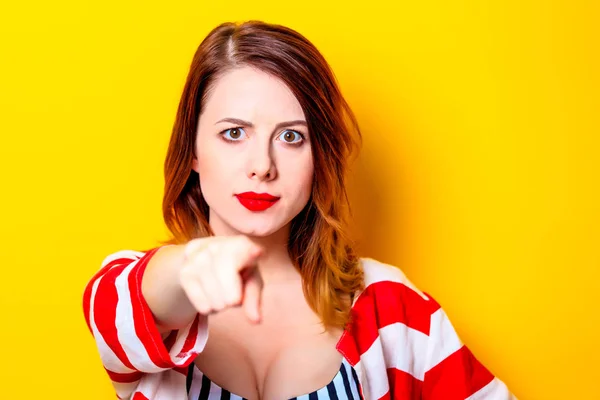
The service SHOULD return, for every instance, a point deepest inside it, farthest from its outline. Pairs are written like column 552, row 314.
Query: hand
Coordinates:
column 221, row 272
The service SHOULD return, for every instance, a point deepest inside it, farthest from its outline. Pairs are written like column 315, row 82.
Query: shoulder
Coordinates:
column 376, row 271
column 390, row 311
column 389, row 290
column 127, row 256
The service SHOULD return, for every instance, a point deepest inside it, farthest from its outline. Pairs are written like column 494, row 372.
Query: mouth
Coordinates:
column 256, row 201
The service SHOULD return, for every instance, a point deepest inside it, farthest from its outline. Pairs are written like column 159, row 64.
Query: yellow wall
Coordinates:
column 479, row 174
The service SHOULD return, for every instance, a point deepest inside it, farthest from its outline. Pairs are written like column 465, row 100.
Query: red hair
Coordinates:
column 319, row 244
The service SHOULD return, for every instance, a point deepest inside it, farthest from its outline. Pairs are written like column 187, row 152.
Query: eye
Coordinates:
column 288, row 136
column 234, row 133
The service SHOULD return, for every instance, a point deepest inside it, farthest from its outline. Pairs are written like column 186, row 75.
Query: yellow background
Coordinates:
column 479, row 175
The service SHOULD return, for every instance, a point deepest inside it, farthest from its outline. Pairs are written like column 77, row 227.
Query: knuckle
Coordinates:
column 185, row 274
column 211, row 247
column 233, row 299
column 204, row 310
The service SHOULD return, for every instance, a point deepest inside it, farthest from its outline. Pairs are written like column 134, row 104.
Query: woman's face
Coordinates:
column 252, row 137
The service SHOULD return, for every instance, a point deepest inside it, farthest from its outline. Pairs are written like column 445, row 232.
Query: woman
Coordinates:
column 259, row 294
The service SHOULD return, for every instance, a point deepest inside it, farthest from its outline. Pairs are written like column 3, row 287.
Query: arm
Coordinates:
column 452, row 371
column 130, row 343
column 162, row 291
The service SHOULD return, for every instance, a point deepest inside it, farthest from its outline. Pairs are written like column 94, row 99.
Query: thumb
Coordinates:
column 251, row 301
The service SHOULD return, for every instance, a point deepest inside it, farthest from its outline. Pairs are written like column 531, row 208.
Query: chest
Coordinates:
column 289, row 354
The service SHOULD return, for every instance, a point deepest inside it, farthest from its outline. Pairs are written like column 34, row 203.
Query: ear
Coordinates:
column 195, row 165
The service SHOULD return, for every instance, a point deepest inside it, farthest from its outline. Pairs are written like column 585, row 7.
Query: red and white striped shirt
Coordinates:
column 400, row 342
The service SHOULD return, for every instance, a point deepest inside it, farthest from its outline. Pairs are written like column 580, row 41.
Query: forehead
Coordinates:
column 247, row 92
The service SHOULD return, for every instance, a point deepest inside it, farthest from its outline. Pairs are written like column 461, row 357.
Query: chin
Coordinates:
column 258, row 225
column 257, row 230
column 254, row 233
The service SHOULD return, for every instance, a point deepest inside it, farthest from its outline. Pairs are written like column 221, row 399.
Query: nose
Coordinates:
column 261, row 163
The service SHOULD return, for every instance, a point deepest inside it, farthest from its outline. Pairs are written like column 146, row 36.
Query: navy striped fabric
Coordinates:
column 344, row 386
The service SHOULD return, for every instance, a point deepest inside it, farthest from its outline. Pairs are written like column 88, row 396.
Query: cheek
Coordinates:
column 303, row 178
column 211, row 159
column 307, row 179
column 212, row 171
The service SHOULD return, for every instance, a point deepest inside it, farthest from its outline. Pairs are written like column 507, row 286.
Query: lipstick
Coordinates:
column 256, row 201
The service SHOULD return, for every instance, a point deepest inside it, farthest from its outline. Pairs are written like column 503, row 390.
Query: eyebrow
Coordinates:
column 241, row 122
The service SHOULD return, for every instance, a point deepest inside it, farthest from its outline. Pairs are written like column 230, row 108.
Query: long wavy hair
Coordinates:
column 319, row 245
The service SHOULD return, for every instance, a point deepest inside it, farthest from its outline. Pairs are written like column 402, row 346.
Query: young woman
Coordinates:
column 260, row 294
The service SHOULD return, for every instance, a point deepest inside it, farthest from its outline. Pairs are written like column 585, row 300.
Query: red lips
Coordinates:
column 256, row 201
column 258, row 196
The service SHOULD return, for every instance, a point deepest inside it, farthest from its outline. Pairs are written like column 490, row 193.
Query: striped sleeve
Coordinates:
column 451, row 370
column 123, row 327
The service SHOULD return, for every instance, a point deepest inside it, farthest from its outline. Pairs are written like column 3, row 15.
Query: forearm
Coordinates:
column 122, row 323
column 162, row 290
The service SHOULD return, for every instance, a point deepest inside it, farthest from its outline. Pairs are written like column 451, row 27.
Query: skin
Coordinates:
column 288, row 354
column 262, row 160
